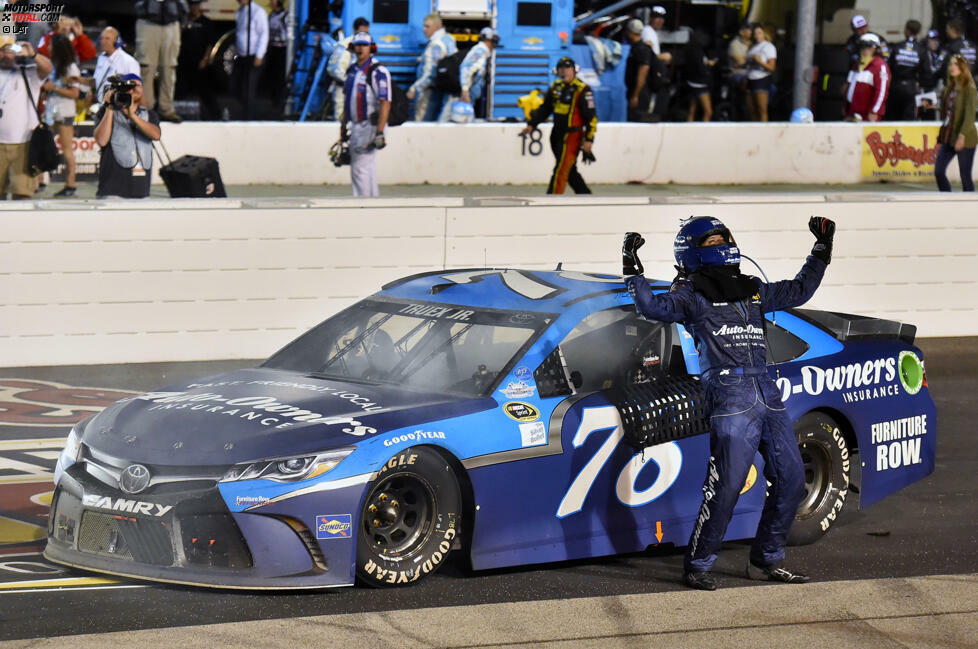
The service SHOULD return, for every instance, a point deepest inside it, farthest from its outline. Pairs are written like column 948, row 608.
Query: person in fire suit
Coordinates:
column 724, row 312
column 868, row 84
column 908, row 65
column 575, row 121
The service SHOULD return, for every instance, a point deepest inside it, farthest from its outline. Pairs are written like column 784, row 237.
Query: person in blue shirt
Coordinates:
column 724, row 312
column 473, row 73
column 368, row 105
column 429, row 102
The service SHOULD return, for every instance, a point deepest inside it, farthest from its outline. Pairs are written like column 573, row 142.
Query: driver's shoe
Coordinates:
column 775, row 573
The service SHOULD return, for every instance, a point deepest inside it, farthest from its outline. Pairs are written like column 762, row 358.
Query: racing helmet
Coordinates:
column 801, row 116
column 691, row 256
column 462, row 112
column 339, row 153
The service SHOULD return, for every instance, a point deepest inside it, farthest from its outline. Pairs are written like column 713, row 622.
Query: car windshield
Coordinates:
column 425, row 345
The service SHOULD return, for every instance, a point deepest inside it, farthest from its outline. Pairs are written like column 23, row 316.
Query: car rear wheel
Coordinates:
column 410, row 519
column 825, row 455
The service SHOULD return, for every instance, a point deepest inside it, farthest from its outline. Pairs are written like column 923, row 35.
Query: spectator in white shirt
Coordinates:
column 18, row 116
column 251, row 40
column 650, row 33
column 113, row 60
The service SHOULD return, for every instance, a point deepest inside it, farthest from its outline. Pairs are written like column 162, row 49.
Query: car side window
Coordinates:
column 614, row 347
column 782, row 345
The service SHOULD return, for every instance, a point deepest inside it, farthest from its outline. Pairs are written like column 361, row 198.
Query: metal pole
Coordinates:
column 290, row 34
column 804, row 53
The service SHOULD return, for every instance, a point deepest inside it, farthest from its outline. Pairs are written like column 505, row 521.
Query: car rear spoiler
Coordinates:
column 845, row 326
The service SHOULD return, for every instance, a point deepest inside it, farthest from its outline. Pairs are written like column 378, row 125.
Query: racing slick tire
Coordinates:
column 825, row 455
column 410, row 520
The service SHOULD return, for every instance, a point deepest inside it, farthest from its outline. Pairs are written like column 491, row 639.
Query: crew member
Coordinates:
column 338, row 64
column 112, row 61
column 368, row 104
column 474, row 71
column 868, row 83
column 575, row 122
column 931, row 83
column 717, row 303
column 860, row 27
column 907, row 63
column 428, row 100
column 958, row 44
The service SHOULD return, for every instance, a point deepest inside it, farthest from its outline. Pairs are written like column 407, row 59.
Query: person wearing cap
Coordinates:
column 18, row 117
column 575, row 122
column 339, row 62
column 368, row 105
column 650, row 33
column 860, row 27
column 251, row 42
column 126, row 137
column 473, row 71
column 112, row 61
column 640, row 74
column 868, row 83
column 958, row 44
column 907, row 63
column 931, row 82
column 430, row 101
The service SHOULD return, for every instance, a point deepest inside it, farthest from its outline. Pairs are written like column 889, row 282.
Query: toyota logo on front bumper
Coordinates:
column 134, row 479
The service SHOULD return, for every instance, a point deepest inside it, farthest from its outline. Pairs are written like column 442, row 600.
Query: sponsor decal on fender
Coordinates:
column 334, row 526
column 857, row 381
column 518, row 390
column 123, row 505
column 898, row 441
column 416, row 436
column 520, row 411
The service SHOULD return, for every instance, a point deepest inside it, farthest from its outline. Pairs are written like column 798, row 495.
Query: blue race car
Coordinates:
column 520, row 416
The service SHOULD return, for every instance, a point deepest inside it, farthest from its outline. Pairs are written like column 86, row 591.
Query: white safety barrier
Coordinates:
column 156, row 280
column 490, row 154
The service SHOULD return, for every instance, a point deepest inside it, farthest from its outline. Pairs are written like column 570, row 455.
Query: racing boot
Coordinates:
column 775, row 573
column 700, row 580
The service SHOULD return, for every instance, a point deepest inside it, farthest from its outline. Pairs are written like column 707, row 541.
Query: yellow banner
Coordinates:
column 899, row 153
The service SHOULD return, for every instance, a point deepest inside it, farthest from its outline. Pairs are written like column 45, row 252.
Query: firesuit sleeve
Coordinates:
column 882, row 88
column 793, row 292
column 433, row 53
column 473, row 65
column 585, row 104
column 544, row 110
column 678, row 305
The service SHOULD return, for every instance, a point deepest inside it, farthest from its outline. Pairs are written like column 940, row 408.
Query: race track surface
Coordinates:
column 921, row 544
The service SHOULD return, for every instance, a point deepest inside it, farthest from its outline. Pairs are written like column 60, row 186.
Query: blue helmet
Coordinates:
column 687, row 247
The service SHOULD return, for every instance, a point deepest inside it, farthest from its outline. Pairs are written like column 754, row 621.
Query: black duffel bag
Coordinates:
column 42, row 155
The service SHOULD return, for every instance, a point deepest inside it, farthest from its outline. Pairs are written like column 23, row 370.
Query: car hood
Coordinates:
column 254, row 414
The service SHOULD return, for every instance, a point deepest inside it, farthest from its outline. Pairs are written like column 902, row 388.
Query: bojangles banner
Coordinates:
column 899, row 152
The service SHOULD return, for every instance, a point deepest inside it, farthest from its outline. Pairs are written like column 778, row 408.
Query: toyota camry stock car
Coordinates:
column 518, row 416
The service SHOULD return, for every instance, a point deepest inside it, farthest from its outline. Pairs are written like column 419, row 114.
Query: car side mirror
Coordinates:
column 576, row 379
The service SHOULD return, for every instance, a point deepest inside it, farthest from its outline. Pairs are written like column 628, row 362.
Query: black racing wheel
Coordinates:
column 411, row 519
column 828, row 467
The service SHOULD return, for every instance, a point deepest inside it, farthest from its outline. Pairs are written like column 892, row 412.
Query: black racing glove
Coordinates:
column 630, row 263
column 587, row 158
column 824, row 230
column 379, row 141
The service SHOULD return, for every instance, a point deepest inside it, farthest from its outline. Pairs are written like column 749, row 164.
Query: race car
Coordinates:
column 520, row 417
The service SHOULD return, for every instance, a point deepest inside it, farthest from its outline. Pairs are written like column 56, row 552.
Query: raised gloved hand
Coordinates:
column 824, row 230
column 587, row 158
column 379, row 141
column 630, row 263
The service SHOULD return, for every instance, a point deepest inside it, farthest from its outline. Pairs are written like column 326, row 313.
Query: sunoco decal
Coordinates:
column 266, row 410
column 857, row 381
column 334, row 526
column 521, row 411
column 897, row 442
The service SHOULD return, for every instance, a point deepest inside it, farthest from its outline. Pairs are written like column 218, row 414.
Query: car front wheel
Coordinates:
column 411, row 519
column 825, row 456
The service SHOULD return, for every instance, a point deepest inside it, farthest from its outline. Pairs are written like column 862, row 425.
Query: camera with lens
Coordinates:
column 121, row 91
column 18, row 52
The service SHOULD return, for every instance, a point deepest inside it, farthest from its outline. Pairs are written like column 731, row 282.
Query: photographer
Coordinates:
column 18, row 116
column 125, row 132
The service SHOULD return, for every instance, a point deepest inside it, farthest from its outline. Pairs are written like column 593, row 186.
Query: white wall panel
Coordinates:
column 208, row 280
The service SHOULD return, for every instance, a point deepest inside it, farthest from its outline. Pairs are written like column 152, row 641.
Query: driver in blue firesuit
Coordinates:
column 724, row 312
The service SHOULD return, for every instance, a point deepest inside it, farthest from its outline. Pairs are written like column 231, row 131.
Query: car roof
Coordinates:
column 507, row 288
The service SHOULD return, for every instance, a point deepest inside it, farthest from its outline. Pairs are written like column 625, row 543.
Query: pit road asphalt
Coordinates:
column 901, row 573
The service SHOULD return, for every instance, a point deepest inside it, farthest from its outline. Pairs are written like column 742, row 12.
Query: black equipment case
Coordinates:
column 192, row 176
